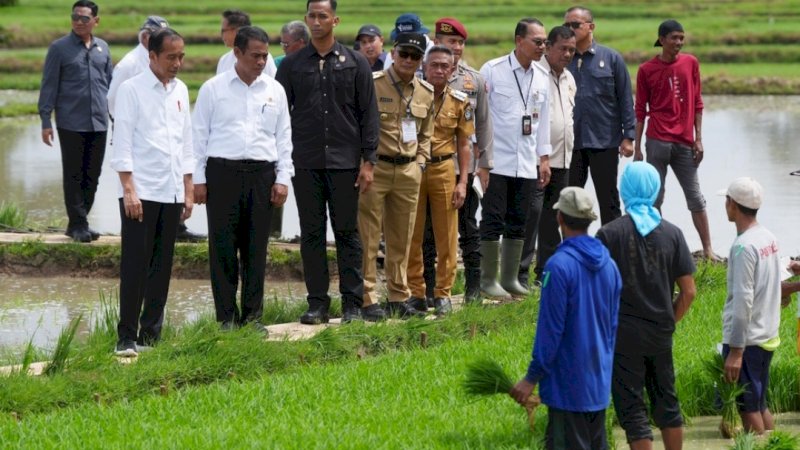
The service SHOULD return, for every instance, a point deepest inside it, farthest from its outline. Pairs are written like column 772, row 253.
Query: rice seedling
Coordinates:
column 731, row 424
column 781, row 440
column 486, row 377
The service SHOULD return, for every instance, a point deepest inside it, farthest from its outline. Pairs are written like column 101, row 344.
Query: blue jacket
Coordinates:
column 574, row 347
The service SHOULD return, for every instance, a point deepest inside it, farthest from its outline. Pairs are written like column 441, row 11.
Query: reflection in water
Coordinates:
column 38, row 309
column 752, row 136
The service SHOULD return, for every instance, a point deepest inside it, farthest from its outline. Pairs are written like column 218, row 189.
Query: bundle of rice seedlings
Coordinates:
column 781, row 440
column 487, row 377
column 731, row 424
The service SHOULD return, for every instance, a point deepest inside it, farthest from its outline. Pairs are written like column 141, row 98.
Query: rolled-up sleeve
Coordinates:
column 125, row 113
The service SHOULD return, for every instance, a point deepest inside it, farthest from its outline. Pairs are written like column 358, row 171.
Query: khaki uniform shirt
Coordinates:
column 469, row 81
column 416, row 103
column 453, row 118
column 562, row 102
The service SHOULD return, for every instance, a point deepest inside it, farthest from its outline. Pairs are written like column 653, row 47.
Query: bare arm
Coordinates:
column 686, row 294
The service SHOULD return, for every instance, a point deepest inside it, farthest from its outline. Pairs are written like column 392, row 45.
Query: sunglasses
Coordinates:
column 286, row 45
column 83, row 19
column 539, row 42
column 574, row 25
column 406, row 55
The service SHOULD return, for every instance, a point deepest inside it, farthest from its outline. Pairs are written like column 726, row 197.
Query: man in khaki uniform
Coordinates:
column 405, row 107
column 453, row 129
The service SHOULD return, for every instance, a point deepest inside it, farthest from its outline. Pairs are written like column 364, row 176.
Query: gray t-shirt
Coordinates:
column 751, row 315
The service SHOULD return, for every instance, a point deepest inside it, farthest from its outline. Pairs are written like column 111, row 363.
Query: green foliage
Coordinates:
column 58, row 360
column 12, row 217
column 486, row 377
column 731, row 423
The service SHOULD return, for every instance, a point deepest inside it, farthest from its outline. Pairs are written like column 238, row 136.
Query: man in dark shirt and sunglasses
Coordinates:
column 334, row 134
column 605, row 125
column 77, row 73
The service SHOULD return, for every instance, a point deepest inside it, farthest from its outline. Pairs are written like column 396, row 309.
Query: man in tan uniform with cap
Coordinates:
column 440, row 189
column 405, row 107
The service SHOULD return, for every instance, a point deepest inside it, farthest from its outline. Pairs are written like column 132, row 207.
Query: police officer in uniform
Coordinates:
column 453, row 35
column 405, row 107
column 441, row 193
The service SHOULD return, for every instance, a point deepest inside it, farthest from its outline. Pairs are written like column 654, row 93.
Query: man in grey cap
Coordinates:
column 136, row 60
column 370, row 44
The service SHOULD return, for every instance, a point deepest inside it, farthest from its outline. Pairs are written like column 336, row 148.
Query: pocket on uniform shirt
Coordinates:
column 447, row 120
column 604, row 82
column 503, row 97
column 269, row 117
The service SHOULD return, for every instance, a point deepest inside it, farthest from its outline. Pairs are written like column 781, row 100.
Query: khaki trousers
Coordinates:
column 436, row 188
column 390, row 205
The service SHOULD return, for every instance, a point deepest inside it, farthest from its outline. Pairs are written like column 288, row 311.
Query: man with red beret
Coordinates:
column 452, row 34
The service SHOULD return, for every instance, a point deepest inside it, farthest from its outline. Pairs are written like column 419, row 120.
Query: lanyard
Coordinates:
column 400, row 93
column 437, row 111
column 519, row 88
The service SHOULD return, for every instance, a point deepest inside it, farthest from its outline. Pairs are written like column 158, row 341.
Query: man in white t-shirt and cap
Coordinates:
column 751, row 315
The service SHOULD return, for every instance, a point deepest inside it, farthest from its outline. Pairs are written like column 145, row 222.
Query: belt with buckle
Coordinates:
column 438, row 159
column 397, row 160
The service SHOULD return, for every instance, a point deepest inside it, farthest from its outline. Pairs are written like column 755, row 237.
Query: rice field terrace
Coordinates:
column 391, row 385
column 745, row 47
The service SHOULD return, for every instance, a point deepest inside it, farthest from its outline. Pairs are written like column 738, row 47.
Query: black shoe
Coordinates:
column 351, row 313
column 126, row 348
column 403, row 310
column 420, row 304
column 80, row 235
column 184, row 235
column 472, row 286
column 260, row 327
column 228, row 325
column 373, row 313
column 316, row 314
column 442, row 306
column 94, row 234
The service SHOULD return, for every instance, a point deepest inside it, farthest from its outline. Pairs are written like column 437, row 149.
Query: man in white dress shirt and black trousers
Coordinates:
column 243, row 148
column 153, row 155
column 518, row 93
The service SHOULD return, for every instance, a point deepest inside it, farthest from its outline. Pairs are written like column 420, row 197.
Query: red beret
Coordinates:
column 451, row 26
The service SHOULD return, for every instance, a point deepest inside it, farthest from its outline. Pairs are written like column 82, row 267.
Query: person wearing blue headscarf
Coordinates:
column 652, row 257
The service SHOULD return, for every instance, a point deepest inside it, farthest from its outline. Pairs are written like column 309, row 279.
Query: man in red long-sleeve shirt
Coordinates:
column 668, row 91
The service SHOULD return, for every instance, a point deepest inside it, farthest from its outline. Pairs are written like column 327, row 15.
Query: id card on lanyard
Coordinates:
column 527, row 118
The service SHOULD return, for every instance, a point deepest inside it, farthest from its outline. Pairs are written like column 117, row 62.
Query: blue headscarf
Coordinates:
column 639, row 189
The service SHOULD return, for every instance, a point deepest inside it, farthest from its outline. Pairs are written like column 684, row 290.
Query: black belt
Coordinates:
column 253, row 163
column 397, row 160
column 438, row 159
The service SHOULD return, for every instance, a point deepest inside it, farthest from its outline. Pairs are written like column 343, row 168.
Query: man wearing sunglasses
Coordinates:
column 605, row 125
column 405, row 106
column 518, row 100
column 77, row 72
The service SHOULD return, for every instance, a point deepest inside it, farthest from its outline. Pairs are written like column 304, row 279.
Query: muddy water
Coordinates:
column 38, row 309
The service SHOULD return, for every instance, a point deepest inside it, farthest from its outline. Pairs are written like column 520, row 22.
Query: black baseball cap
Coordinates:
column 368, row 30
column 411, row 40
column 667, row 27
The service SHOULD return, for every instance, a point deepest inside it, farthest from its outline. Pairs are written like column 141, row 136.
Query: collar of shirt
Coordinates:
column 79, row 41
column 154, row 82
column 512, row 57
column 232, row 76
column 397, row 80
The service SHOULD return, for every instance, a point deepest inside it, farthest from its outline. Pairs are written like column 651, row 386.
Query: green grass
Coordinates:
column 12, row 217
column 352, row 387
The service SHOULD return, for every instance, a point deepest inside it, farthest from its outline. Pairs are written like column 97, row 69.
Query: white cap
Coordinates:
column 746, row 192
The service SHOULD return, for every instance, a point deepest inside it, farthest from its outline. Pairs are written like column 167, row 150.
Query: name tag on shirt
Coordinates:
column 409, row 130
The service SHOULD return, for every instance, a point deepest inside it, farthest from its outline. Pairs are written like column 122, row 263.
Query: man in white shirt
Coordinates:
column 232, row 20
column 243, row 148
column 152, row 153
column 135, row 61
column 518, row 99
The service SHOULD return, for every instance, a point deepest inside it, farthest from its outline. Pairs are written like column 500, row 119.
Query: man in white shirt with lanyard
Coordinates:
column 152, row 153
column 518, row 99
column 232, row 20
column 243, row 148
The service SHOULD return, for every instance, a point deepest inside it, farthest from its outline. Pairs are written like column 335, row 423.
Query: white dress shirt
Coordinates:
column 153, row 137
column 235, row 121
column 562, row 102
column 228, row 60
column 516, row 155
column 133, row 63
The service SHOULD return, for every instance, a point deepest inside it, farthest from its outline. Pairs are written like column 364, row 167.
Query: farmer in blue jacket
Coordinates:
column 575, row 334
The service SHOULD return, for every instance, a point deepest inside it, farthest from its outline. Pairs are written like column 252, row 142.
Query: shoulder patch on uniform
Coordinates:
column 379, row 74
column 425, row 84
column 459, row 95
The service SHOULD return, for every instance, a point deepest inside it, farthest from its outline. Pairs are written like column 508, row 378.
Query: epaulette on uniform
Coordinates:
column 378, row 74
column 460, row 96
column 496, row 61
column 425, row 84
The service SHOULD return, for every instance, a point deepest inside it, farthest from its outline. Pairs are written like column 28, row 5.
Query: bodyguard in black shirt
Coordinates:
column 335, row 135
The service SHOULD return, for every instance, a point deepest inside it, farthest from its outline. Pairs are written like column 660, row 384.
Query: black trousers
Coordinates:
column 239, row 213
column 145, row 269
column 82, row 155
column 568, row 430
column 317, row 192
column 505, row 207
column 604, row 165
column 542, row 227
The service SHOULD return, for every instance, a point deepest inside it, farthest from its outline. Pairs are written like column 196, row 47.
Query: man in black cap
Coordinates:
column 370, row 44
column 405, row 105
column 668, row 91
